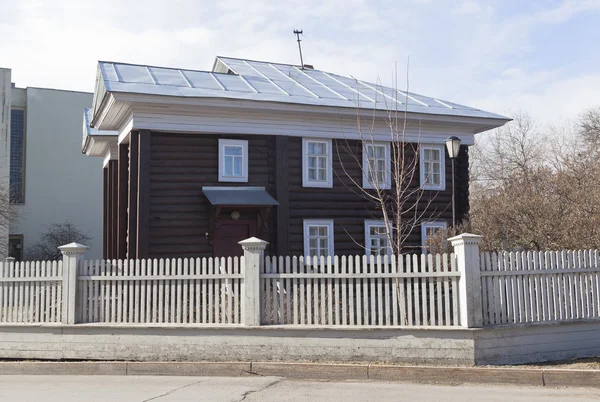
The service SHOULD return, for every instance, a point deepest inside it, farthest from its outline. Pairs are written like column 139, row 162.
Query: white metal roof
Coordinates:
column 271, row 82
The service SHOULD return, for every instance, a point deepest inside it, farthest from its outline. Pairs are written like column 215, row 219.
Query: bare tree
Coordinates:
column 56, row 235
column 537, row 191
column 394, row 192
column 589, row 127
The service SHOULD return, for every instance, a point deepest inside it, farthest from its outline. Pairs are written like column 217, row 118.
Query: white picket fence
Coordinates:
column 466, row 288
column 31, row 292
column 527, row 286
column 174, row 291
column 413, row 290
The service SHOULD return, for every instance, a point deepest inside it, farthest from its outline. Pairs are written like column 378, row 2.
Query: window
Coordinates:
column 17, row 156
column 428, row 230
column 233, row 160
column 433, row 172
column 318, row 237
column 316, row 171
column 377, row 241
column 376, row 165
column 15, row 247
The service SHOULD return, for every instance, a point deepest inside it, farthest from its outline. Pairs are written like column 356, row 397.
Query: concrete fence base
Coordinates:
column 460, row 346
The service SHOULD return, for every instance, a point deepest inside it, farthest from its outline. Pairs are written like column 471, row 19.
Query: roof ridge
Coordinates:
column 260, row 61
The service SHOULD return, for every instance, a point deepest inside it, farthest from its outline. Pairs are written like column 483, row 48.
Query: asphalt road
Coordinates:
column 249, row 389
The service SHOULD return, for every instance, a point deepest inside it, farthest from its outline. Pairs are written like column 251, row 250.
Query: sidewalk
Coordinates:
column 515, row 375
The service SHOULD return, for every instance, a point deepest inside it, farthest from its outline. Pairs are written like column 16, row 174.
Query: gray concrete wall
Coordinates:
column 60, row 182
column 5, row 102
column 537, row 343
column 235, row 344
column 494, row 346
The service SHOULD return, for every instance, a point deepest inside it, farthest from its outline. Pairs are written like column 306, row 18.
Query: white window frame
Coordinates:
column 328, row 183
column 370, row 223
column 431, row 224
column 318, row 222
column 442, row 185
column 387, row 182
column 233, row 143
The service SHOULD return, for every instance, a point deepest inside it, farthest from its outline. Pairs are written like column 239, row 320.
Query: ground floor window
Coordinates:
column 377, row 241
column 15, row 247
column 428, row 231
column 318, row 237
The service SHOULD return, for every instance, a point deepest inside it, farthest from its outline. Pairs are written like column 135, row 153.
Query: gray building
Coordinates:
column 51, row 181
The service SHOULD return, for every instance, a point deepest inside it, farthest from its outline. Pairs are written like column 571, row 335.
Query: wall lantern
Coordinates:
column 453, row 147
column 235, row 215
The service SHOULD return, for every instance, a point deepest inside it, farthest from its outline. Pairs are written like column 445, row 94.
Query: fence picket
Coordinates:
column 455, row 311
column 56, row 292
column 304, row 286
column 357, row 287
column 386, row 292
column 409, row 290
column 439, row 320
column 431, row 294
column 289, row 295
column 280, row 286
column 351, row 300
column 309, row 262
column 379, row 294
column 447, row 309
column 393, row 286
column 336, row 292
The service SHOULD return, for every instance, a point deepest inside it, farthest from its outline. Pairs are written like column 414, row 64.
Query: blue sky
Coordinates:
column 539, row 56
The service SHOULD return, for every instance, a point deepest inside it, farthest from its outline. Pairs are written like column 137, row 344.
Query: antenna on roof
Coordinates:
column 298, row 32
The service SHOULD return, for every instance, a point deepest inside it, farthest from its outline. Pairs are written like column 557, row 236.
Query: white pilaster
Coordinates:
column 466, row 251
column 72, row 254
column 252, row 266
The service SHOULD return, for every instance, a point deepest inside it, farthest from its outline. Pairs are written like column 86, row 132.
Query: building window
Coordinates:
column 316, row 162
column 428, row 231
column 233, row 160
column 17, row 156
column 377, row 241
column 432, row 166
column 15, row 247
column 377, row 165
column 318, row 237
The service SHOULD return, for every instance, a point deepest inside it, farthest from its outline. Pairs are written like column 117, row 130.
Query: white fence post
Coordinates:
column 254, row 257
column 466, row 251
column 72, row 254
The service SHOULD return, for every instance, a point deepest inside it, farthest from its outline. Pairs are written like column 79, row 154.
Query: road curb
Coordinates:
column 317, row 371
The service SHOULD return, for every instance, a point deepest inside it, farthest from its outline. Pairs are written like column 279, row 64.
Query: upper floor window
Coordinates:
column 17, row 156
column 233, row 160
column 432, row 167
column 318, row 237
column 428, row 232
column 377, row 165
column 377, row 241
column 316, row 163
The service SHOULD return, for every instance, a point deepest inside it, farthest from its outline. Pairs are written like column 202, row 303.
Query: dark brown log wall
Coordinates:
column 180, row 165
column 110, row 209
column 348, row 208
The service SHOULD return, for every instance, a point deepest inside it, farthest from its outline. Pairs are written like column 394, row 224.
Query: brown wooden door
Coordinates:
column 228, row 234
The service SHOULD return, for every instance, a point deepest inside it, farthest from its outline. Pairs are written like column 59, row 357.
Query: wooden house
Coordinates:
column 195, row 161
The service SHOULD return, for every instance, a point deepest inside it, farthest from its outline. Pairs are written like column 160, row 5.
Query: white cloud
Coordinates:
column 468, row 7
column 482, row 61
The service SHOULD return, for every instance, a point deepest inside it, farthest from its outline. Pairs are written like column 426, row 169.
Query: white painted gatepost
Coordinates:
column 72, row 254
column 254, row 257
column 466, row 250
